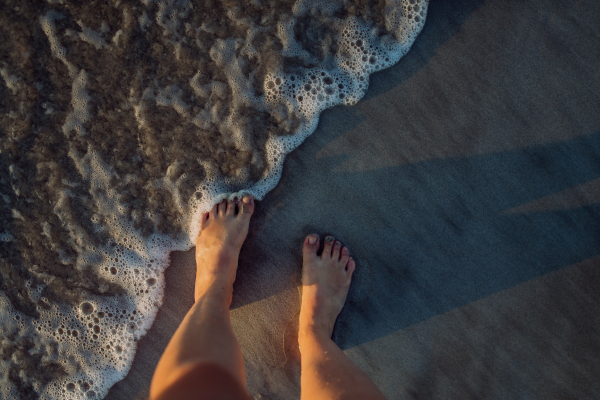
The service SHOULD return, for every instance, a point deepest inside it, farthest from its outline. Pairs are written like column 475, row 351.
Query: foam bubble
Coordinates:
column 12, row 82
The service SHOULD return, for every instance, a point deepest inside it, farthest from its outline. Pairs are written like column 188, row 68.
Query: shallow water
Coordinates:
column 120, row 123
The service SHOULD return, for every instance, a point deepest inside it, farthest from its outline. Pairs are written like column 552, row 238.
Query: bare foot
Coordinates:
column 325, row 283
column 218, row 245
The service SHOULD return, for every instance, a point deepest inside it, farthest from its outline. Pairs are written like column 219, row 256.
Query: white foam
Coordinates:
column 58, row 50
column 12, row 82
column 80, row 99
column 171, row 97
column 93, row 37
column 97, row 340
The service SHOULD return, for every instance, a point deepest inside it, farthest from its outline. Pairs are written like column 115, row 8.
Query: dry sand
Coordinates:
column 467, row 186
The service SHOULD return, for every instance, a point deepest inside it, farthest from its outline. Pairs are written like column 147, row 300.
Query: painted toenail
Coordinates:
column 312, row 239
column 345, row 250
column 338, row 243
column 328, row 239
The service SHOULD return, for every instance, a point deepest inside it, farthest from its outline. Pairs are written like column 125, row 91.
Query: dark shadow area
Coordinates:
column 535, row 340
column 450, row 247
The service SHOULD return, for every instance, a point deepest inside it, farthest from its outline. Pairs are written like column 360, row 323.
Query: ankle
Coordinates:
column 218, row 256
column 313, row 333
column 216, row 290
column 313, row 346
column 215, row 276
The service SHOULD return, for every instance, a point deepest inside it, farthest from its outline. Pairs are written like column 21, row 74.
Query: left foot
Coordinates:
column 218, row 245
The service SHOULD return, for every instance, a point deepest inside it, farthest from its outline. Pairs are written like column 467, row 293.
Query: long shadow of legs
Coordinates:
column 446, row 242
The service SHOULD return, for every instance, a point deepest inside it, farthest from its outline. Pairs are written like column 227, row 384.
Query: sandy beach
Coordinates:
column 467, row 186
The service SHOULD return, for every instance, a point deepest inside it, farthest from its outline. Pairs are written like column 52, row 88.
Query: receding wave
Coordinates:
column 122, row 121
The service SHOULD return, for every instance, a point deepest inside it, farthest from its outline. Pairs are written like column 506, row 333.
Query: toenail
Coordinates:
column 312, row 239
column 247, row 199
column 328, row 239
column 338, row 243
column 345, row 250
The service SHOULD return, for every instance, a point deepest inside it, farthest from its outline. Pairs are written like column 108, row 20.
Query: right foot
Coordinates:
column 325, row 283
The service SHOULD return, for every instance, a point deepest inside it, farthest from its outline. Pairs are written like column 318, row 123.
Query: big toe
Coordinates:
column 311, row 244
column 246, row 206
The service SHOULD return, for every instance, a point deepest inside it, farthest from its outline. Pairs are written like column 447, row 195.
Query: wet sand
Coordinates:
column 467, row 187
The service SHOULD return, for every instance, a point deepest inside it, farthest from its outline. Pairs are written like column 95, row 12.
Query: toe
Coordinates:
column 329, row 240
column 337, row 248
column 311, row 245
column 222, row 208
column 204, row 220
column 246, row 206
column 350, row 267
column 230, row 208
column 345, row 256
column 215, row 211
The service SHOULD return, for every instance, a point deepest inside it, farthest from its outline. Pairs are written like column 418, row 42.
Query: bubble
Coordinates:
column 87, row 308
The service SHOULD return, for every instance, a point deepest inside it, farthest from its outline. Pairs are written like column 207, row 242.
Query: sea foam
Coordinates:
column 121, row 124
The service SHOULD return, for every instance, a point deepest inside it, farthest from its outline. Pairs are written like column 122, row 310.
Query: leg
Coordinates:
column 326, row 371
column 205, row 341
